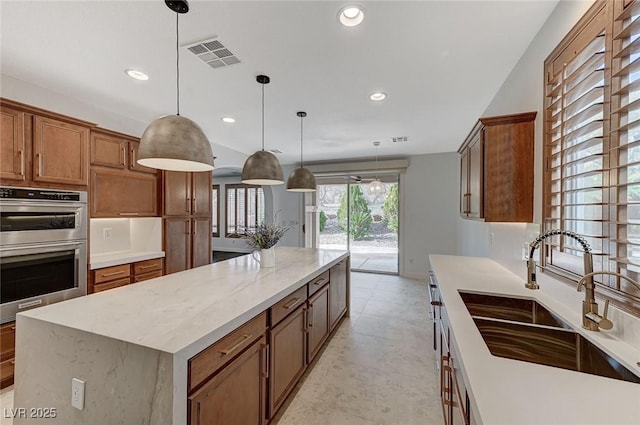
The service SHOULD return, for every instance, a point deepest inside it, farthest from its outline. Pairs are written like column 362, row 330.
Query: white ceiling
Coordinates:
column 440, row 62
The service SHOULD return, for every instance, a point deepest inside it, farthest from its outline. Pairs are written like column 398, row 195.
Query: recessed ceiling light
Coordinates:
column 228, row 120
column 350, row 16
column 136, row 75
column 378, row 96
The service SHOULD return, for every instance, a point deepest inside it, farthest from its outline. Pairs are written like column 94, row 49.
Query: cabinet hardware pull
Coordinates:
column 39, row 161
column 124, row 155
column 132, row 157
column 321, row 281
column 436, row 303
column 113, row 273
column 291, row 303
column 20, row 153
column 265, row 372
column 195, row 206
column 13, row 328
column 12, row 361
column 148, row 267
column 188, row 205
column 128, row 214
column 243, row 338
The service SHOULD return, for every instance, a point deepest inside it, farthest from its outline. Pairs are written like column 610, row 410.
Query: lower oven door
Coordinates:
column 40, row 274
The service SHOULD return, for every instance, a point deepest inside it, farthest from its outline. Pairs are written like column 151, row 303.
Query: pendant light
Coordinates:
column 301, row 179
column 262, row 168
column 173, row 142
column 376, row 187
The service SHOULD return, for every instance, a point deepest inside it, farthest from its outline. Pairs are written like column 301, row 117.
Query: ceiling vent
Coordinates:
column 400, row 139
column 275, row 151
column 213, row 53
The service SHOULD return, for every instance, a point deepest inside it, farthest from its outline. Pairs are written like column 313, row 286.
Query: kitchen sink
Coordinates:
column 509, row 308
column 551, row 346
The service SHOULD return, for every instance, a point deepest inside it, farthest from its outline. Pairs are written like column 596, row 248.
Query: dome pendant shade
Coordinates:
column 376, row 187
column 301, row 180
column 262, row 168
column 175, row 143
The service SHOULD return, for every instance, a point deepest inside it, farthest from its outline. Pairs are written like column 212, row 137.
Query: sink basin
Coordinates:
column 550, row 346
column 507, row 308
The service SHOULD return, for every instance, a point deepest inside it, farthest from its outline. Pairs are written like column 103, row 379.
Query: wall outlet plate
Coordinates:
column 106, row 233
column 77, row 393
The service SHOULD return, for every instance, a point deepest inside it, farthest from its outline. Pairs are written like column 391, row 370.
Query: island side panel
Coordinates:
column 125, row 383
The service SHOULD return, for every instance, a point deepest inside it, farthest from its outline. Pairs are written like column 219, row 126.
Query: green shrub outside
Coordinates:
column 390, row 208
column 360, row 219
column 323, row 220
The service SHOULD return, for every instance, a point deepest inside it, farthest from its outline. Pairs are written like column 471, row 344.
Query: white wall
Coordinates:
column 428, row 211
column 522, row 91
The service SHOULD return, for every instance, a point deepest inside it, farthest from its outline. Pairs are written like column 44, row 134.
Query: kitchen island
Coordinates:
column 132, row 345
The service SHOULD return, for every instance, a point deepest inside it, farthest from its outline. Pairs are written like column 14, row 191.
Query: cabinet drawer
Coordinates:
column 318, row 283
column 147, row 266
column 111, row 273
column 207, row 362
column 110, row 285
column 288, row 305
column 146, row 276
column 6, row 373
column 7, row 341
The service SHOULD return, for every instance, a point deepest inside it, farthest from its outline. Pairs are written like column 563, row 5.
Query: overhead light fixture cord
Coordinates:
column 376, row 162
column 263, row 117
column 301, row 144
column 177, row 66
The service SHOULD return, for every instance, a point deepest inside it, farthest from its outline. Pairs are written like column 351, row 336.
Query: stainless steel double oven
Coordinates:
column 43, row 248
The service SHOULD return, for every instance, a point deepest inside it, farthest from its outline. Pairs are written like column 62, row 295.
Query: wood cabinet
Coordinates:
column 338, row 292
column 39, row 148
column 318, row 321
column 124, row 274
column 13, row 144
column 7, row 353
column 116, row 150
column 288, row 360
column 187, row 212
column 496, row 169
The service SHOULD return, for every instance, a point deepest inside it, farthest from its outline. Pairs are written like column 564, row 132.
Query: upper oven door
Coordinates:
column 36, row 222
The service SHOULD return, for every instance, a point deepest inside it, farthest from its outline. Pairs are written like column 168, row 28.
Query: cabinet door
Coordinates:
column 288, row 357
column 177, row 193
column 133, row 158
column 474, row 202
column 201, row 229
column 61, row 152
column 201, row 192
column 123, row 194
column 12, row 144
column 464, row 183
column 177, row 245
column 108, row 151
column 337, row 293
column 236, row 395
column 318, row 322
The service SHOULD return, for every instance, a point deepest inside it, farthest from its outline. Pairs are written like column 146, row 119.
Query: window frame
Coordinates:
column 237, row 233
column 215, row 196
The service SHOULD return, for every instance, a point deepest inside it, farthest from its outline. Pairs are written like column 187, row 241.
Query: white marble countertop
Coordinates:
column 98, row 261
column 187, row 311
column 506, row 391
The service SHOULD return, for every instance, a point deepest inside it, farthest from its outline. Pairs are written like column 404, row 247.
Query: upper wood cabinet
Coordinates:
column 134, row 145
column 115, row 150
column 13, row 144
column 496, row 169
column 119, row 193
column 41, row 149
column 187, row 193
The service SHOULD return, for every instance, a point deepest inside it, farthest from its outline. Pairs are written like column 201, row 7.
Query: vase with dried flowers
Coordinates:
column 263, row 240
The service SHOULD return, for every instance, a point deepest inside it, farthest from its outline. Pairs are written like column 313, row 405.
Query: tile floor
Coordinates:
column 379, row 367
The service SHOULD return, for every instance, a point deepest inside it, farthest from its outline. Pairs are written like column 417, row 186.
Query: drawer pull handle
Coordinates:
column 321, row 281
column 265, row 371
column 291, row 303
column 436, row 303
column 114, row 273
column 13, row 328
column 128, row 214
column 20, row 154
column 228, row 351
column 148, row 267
column 12, row 361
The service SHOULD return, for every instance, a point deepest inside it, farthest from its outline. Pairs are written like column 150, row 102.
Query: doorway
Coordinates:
column 353, row 218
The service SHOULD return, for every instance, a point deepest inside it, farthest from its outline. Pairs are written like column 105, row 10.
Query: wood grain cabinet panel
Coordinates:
column 108, row 151
column 133, row 158
column 147, row 266
column 147, row 276
column 287, row 343
column 201, row 241
column 235, row 396
column 318, row 283
column 99, row 287
column 338, row 293
column 201, row 193
column 287, row 305
column 318, row 322
column 177, row 193
column 177, row 236
column 117, row 193
column 111, row 273
column 13, row 144
column 7, row 353
column 60, row 152
column 496, row 172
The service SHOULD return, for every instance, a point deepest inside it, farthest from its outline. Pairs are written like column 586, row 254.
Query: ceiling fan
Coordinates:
column 360, row 179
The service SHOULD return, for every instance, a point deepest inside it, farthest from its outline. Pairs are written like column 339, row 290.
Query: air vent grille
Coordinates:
column 275, row 151
column 213, row 53
column 400, row 139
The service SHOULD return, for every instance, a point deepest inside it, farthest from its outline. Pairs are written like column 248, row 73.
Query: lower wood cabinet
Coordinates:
column 287, row 342
column 237, row 394
column 7, row 353
column 123, row 274
column 338, row 292
column 318, row 322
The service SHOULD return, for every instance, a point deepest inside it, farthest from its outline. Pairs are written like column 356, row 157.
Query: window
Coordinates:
column 592, row 147
column 215, row 216
column 245, row 208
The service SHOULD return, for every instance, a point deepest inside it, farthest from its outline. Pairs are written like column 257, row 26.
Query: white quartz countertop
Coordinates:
column 506, row 391
column 187, row 311
column 98, row 261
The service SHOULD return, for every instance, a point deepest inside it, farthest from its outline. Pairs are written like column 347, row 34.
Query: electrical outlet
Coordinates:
column 492, row 238
column 525, row 251
column 106, row 233
column 77, row 393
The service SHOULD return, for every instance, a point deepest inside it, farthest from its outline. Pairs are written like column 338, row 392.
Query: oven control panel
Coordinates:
column 40, row 194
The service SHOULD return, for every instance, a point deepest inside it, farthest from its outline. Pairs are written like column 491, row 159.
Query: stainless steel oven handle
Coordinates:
column 43, row 247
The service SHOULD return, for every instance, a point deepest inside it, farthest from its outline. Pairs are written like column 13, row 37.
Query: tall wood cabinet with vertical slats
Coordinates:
column 496, row 169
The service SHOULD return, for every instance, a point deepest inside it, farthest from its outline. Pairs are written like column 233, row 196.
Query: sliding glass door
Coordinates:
column 352, row 217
